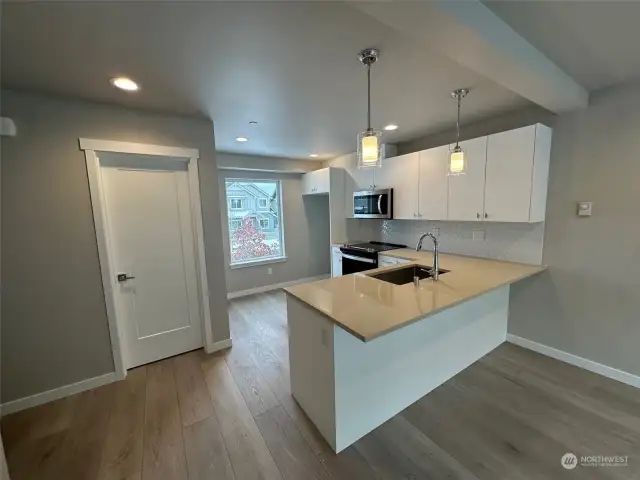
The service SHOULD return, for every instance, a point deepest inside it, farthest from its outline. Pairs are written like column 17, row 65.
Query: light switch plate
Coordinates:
column 585, row 209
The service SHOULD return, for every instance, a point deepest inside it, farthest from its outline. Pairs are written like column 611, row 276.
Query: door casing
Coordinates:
column 91, row 149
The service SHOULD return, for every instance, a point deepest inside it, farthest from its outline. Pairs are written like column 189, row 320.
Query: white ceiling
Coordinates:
column 290, row 66
column 594, row 42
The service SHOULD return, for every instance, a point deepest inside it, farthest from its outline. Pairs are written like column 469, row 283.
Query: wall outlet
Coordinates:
column 269, row 271
column 478, row 234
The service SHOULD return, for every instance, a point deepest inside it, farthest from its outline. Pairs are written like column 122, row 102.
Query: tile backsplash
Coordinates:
column 516, row 242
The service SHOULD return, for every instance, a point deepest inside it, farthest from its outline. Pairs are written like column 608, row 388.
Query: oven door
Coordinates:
column 372, row 204
column 355, row 264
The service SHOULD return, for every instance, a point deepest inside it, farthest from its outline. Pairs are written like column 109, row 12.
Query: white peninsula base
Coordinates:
column 349, row 387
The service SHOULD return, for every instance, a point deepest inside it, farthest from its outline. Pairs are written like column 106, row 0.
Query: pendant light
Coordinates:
column 457, row 160
column 369, row 145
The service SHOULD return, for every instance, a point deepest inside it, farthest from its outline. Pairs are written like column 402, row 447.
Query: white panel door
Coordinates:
column 401, row 174
column 151, row 238
column 466, row 192
column 433, row 185
column 509, row 175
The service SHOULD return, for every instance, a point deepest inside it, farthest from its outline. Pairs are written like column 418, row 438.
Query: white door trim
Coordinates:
column 189, row 155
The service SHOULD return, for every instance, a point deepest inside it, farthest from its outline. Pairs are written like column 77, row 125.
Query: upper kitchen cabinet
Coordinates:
column 432, row 184
column 401, row 174
column 316, row 182
column 466, row 192
column 516, row 175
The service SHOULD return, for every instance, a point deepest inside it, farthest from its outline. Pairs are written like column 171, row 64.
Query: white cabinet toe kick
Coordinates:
column 349, row 387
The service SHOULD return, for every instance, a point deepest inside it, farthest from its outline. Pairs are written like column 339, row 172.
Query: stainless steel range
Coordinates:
column 359, row 257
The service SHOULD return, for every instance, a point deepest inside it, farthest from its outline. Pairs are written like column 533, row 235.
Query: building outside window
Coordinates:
column 254, row 210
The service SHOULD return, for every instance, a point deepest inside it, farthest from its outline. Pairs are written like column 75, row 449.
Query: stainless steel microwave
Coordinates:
column 373, row 204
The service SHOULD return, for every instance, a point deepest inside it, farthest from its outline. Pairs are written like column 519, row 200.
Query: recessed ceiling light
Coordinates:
column 313, row 155
column 391, row 127
column 242, row 139
column 124, row 83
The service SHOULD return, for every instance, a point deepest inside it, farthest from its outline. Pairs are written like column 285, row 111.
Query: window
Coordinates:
column 236, row 203
column 248, row 242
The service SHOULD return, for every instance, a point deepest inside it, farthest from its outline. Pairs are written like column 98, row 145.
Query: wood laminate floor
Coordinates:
column 512, row 415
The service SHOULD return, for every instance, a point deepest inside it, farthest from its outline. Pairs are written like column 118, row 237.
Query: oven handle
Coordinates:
column 380, row 204
column 358, row 259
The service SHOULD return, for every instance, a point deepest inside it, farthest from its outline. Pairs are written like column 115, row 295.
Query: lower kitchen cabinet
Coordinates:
column 336, row 262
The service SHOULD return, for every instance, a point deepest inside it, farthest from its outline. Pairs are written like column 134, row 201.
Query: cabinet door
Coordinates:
column 322, row 181
column 336, row 263
column 308, row 180
column 466, row 192
column 433, row 184
column 401, row 174
column 362, row 178
column 509, row 170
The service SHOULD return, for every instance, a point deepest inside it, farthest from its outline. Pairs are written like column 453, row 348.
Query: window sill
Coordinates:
column 257, row 263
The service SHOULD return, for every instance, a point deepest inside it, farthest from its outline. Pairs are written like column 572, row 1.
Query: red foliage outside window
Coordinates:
column 247, row 243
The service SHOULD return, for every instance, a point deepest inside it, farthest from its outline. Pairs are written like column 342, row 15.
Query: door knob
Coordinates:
column 123, row 277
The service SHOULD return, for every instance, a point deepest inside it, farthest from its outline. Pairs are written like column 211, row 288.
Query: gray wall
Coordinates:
column 54, row 328
column 274, row 164
column 306, row 231
column 508, row 121
column 587, row 303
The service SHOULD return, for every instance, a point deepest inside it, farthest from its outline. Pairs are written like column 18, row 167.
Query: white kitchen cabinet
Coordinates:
column 401, row 174
column 433, row 186
column 336, row 262
column 316, row 182
column 467, row 191
column 516, row 175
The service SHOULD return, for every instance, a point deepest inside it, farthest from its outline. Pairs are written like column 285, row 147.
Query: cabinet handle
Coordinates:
column 486, row 215
column 477, row 215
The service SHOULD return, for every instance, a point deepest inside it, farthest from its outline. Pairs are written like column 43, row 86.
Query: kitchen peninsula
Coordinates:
column 362, row 349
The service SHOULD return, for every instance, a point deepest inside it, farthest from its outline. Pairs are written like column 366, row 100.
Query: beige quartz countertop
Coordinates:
column 368, row 308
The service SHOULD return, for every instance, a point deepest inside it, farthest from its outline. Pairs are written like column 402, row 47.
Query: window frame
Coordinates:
column 280, row 228
column 260, row 220
column 266, row 203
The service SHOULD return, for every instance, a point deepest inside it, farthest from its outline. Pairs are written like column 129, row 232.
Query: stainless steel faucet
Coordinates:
column 435, row 273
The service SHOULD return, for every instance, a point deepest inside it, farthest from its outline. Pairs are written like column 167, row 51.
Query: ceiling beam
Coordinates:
column 471, row 34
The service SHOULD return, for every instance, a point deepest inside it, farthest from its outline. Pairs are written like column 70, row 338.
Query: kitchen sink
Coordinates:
column 404, row 275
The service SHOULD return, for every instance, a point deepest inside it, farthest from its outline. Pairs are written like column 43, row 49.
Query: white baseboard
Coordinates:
column 216, row 346
column 57, row 393
column 595, row 367
column 275, row 286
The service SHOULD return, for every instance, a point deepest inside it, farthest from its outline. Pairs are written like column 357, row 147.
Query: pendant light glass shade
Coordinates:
column 457, row 161
column 369, row 149
column 457, row 158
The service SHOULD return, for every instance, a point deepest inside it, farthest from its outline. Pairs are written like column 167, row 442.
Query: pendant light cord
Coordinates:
column 458, row 122
column 368, row 97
